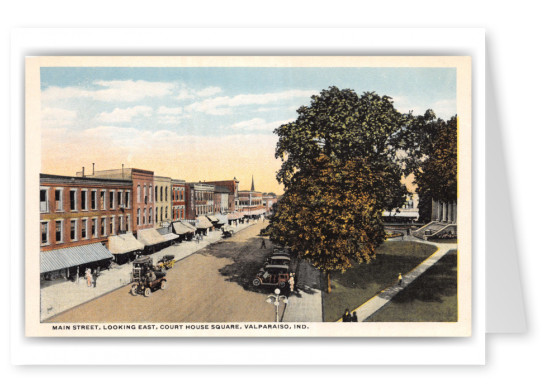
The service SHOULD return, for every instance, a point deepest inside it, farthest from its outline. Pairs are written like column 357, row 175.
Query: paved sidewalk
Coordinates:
column 306, row 304
column 374, row 304
column 65, row 295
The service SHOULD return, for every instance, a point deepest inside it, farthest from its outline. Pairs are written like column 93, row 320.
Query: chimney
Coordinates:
column 93, row 168
column 83, row 171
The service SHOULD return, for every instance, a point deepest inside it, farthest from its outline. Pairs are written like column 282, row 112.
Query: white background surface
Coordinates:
column 518, row 50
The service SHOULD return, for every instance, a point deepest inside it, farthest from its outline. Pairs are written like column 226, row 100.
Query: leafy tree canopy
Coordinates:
column 340, row 170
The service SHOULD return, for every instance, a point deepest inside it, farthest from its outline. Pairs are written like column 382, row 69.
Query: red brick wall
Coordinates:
column 66, row 214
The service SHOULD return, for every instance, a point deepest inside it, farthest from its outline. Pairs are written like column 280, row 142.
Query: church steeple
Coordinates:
column 252, row 184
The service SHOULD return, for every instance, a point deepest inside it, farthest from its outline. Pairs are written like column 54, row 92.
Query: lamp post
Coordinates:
column 276, row 300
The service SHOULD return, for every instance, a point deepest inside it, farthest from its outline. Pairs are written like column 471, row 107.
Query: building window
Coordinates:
column 83, row 200
column 155, row 193
column 73, row 230
column 111, row 199
column 127, row 202
column 121, row 223
column 84, row 228
column 93, row 199
column 150, row 193
column 95, row 227
column 166, row 212
column 44, row 232
column 112, row 225
column 143, row 216
column 103, row 226
column 149, row 217
column 119, row 199
column 138, row 217
column 59, row 231
column 43, row 200
column 73, row 200
column 138, row 194
column 59, row 200
column 103, row 200
column 128, row 222
column 156, row 213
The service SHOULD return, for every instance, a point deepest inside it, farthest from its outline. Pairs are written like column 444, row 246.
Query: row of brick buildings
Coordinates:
column 87, row 219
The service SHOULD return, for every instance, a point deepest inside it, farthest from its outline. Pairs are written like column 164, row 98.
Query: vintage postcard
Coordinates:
column 248, row 196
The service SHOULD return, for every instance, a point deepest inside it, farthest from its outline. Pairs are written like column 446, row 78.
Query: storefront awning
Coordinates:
column 122, row 244
column 222, row 219
column 213, row 219
column 191, row 227
column 150, row 237
column 182, row 229
column 73, row 256
column 233, row 216
column 203, row 223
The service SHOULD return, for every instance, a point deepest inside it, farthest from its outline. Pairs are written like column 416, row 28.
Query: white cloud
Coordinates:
column 56, row 118
column 209, row 91
column 169, row 110
column 221, row 105
column 188, row 93
column 258, row 124
column 125, row 115
column 111, row 91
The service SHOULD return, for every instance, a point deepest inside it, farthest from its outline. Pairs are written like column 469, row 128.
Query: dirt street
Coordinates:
column 213, row 285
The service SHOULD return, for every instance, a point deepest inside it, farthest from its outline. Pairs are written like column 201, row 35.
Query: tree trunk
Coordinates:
column 328, row 282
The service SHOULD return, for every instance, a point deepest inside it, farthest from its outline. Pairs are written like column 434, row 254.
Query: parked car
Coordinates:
column 281, row 250
column 272, row 275
column 278, row 259
column 146, row 278
column 166, row 262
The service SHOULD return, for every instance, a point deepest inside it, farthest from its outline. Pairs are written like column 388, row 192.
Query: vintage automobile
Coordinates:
column 166, row 262
column 146, row 278
column 272, row 275
column 280, row 251
column 278, row 259
column 227, row 234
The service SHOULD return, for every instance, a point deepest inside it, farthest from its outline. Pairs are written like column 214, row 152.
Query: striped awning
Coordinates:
column 122, row 244
column 150, row 237
column 181, row 229
column 73, row 256
column 202, row 223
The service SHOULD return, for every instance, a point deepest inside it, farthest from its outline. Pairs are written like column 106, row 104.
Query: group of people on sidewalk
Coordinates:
column 91, row 278
column 347, row 317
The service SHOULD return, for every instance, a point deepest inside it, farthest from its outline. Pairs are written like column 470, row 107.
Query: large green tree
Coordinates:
column 431, row 155
column 340, row 171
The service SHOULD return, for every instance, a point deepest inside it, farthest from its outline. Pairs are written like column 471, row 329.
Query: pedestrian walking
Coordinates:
column 263, row 245
column 354, row 317
column 346, row 317
column 197, row 238
column 399, row 279
column 94, row 279
column 88, row 275
column 292, row 282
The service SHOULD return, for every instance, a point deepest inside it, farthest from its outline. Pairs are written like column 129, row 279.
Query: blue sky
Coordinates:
column 222, row 107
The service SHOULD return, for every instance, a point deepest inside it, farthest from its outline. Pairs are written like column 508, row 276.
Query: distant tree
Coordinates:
column 340, row 171
column 431, row 145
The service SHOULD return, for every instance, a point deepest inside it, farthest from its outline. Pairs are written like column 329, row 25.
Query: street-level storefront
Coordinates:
column 203, row 225
column 125, row 247
column 168, row 236
column 72, row 262
column 152, row 240
column 184, row 230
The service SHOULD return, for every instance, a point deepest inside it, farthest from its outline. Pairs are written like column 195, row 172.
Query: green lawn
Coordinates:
column 430, row 298
column 357, row 285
